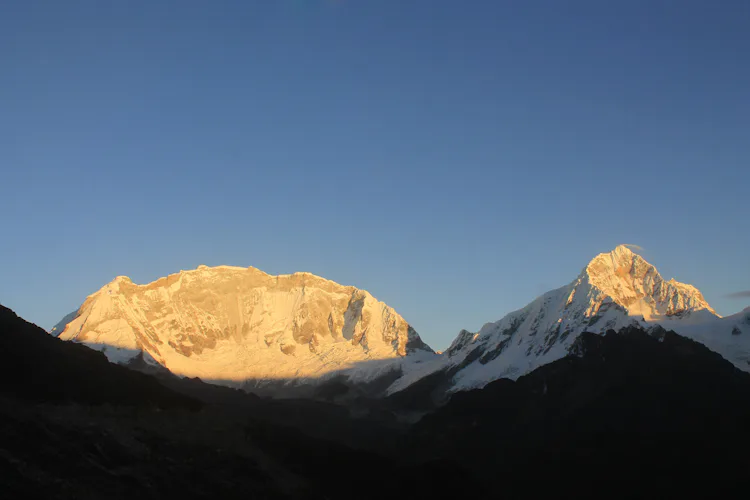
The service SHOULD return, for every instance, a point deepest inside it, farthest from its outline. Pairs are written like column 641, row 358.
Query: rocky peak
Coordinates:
column 616, row 290
column 633, row 283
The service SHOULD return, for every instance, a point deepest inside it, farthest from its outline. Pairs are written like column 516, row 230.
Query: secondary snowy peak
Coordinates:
column 232, row 324
column 636, row 285
column 615, row 290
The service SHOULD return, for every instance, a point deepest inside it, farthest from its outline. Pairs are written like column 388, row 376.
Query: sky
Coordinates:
column 455, row 159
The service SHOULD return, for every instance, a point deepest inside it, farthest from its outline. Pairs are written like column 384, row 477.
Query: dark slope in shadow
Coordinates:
column 39, row 367
column 362, row 425
column 630, row 415
column 72, row 425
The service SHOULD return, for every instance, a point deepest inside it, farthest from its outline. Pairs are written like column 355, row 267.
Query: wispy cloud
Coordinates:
column 633, row 247
column 738, row 295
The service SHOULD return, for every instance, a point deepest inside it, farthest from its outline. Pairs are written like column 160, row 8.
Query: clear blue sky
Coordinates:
column 456, row 159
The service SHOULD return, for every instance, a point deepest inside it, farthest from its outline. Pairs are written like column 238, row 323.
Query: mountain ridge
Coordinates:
column 651, row 412
column 234, row 324
column 326, row 330
column 615, row 290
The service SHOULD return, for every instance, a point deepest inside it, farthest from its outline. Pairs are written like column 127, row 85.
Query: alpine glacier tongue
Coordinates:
column 614, row 290
column 231, row 324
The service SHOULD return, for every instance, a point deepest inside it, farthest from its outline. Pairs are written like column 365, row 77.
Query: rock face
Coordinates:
column 615, row 290
column 631, row 282
column 230, row 324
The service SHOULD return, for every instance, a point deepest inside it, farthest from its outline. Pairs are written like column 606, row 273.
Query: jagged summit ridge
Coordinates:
column 636, row 285
column 616, row 289
column 232, row 324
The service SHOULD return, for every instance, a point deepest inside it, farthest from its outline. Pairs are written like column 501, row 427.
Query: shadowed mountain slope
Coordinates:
column 40, row 367
column 627, row 413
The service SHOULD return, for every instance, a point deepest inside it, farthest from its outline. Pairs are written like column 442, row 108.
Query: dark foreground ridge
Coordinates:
column 627, row 414
column 39, row 367
column 74, row 426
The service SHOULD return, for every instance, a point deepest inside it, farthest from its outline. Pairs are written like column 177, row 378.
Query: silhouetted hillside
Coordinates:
column 74, row 426
column 626, row 414
column 39, row 367
column 629, row 412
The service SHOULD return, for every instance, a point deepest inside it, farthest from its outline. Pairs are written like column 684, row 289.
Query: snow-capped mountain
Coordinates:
column 230, row 324
column 614, row 290
column 60, row 326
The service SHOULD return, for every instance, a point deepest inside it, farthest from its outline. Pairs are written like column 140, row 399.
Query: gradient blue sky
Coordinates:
column 456, row 159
